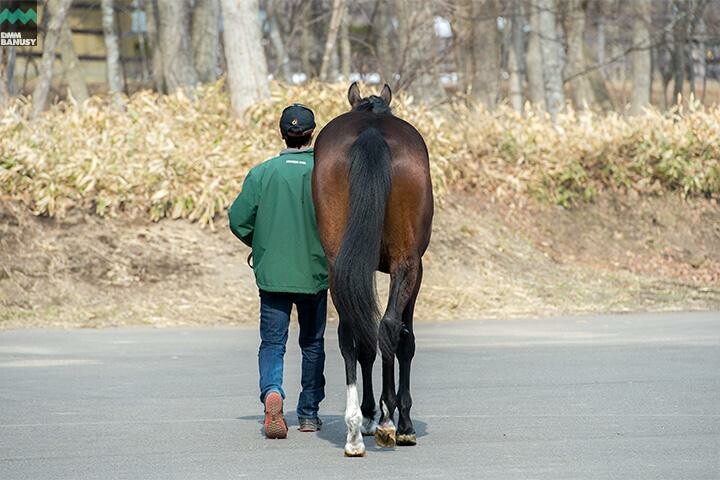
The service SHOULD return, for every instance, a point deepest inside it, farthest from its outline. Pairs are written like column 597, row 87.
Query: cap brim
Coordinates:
column 299, row 134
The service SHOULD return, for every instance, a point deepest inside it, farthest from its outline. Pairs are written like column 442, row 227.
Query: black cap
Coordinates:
column 297, row 121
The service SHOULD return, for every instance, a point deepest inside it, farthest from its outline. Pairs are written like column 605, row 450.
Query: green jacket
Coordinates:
column 274, row 214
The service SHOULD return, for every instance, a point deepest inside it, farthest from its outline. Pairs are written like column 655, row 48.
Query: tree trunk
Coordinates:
column 338, row 8
column 601, row 94
column 281, row 56
column 151, row 16
column 114, row 69
column 306, row 40
column 462, row 27
column 640, row 57
column 486, row 52
column 534, row 59
column 384, row 49
column 10, row 69
column 680, row 30
column 71, row 66
column 700, row 64
column 581, row 88
column 552, row 63
column 58, row 10
column 246, row 65
column 600, row 41
column 616, row 60
column 206, row 39
column 696, row 33
column 345, row 49
column 175, row 45
column 515, row 56
column 664, row 57
column 4, row 61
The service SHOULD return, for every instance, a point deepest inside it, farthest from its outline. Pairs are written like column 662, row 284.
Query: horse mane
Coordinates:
column 373, row 104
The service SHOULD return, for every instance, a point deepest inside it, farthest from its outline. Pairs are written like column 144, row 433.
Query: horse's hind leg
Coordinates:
column 403, row 275
column 367, row 359
column 354, row 445
column 405, row 353
column 385, row 431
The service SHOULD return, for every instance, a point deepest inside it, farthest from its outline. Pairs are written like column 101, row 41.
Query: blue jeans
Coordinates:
column 274, row 323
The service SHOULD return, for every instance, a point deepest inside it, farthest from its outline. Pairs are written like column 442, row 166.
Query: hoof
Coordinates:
column 354, row 451
column 385, row 436
column 368, row 427
column 406, row 440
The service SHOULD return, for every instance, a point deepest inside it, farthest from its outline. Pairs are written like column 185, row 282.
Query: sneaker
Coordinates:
column 275, row 426
column 309, row 424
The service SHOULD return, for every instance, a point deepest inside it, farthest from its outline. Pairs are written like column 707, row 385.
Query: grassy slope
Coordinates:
column 485, row 260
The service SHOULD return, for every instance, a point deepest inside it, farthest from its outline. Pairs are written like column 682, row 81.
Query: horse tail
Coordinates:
column 359, row 255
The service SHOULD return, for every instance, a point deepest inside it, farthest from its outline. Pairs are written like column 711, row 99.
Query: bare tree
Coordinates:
column 681, row 8
column 151, row 15
column 552, row 62
column 614, row 57
column 11, row 53
column 345, row 48
column 463, row 43
column 71, row 66
column 640, row 57
column 697, row 54
column 114, row 69
column 338, row 9
column 534, row 59
column 417, row 59
column 600, row 39
column 384, row 49
column 173, row 23
column 486, row 51
column 58, row 10
column 246, row 64
column 516, row 53
column 699, row 70
column 283, row 61
column 206, row 39
column 477, row 49
column 582, row 91
column 306, row 39
column 4, row 60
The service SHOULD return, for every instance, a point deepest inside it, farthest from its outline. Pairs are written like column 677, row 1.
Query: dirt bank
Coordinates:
column 485, row 260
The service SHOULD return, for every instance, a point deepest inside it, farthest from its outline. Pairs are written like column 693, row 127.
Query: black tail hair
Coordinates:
column 359, row 255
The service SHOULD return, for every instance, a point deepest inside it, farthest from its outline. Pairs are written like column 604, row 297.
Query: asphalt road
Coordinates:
column 602, row 397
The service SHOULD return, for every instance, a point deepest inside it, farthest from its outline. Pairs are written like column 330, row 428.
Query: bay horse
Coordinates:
column 374, row 205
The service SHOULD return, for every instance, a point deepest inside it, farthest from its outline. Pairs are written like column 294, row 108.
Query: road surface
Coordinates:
column 596, row 397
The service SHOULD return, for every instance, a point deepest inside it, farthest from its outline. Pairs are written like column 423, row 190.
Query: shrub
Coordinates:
column 168, row 156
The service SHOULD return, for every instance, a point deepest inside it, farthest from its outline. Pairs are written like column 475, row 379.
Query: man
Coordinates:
column 275, row 216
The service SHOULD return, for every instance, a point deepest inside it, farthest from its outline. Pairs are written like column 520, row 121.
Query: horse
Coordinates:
column 374, row 206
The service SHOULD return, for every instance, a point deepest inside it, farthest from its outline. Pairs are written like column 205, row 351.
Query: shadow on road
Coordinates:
column 333, row 429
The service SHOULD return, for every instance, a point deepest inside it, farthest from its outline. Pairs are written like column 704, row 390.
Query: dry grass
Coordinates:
column 168, row 156
column 586, row 153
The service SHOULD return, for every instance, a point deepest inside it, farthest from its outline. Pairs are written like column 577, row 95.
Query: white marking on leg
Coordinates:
column 354, row 445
